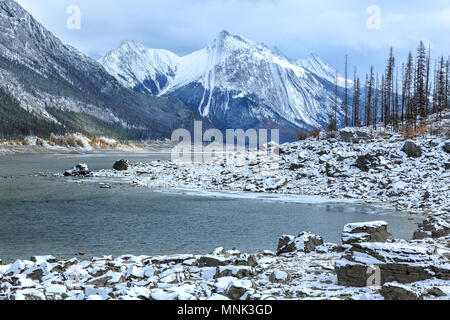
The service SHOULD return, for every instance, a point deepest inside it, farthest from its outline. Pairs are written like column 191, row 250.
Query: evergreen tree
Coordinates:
column 370, row 85
column 420, row 81
column 346, row 92
column 389, row 82
column 375, row 104
column 356, row 100
column 408, row 90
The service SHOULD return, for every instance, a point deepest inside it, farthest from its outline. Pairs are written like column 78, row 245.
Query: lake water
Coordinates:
column 42, row 215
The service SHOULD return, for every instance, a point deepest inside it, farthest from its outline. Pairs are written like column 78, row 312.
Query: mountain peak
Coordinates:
column 226, row 38
column 224, row 34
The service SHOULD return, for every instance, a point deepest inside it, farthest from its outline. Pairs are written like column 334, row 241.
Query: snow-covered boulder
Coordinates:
column 212, row 261
column 274, row 183
column 280, row 276
column 395, row 291
column 375, row 231
column 234, row 271
column 80, row 170
column 305, row 242
column 434, row 227
column 399, row 261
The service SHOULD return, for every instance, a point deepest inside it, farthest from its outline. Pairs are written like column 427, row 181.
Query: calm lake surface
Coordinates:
column 42, row 215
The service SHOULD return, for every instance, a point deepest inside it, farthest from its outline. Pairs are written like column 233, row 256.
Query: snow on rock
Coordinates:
column 305, row 242
column 395, row 291
column 434, row 227
column 421, row 265
column 80, row 170
column 396, row 261
column 366, row 232
column 372, row 170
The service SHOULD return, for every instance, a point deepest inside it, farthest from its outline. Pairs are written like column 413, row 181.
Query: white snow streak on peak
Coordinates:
column 316, row 65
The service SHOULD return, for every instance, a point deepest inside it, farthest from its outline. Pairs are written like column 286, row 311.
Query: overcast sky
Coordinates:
column 329, row 28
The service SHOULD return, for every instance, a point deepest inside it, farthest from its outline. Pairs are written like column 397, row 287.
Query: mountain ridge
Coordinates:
column 234, row 82
column 57, row 83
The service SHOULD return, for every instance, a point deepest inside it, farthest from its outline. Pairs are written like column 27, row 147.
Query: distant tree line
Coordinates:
column 402, row 97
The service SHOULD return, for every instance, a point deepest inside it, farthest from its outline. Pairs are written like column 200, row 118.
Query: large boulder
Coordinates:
column 347, row 135
column 80, row 170
column 234, row 271
column 365, row 162
column 412, row 150
column 399, row 261
column 212, row 261
column 375, row 231
column 395, row 291
column 447, row 147
column 235, row 291
column 121, row 165
column 305, row 242
column 280, row 276
column 433, row 227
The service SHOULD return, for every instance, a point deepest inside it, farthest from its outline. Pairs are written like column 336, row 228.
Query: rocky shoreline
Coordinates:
column 303, row 267
column 412, row 175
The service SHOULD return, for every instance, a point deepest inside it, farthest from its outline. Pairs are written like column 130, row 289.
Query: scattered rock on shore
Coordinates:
column 432, row 227
column 304, row 242
column 366, row 232
column 394, row 291
column 398, row 261
column 80, row 170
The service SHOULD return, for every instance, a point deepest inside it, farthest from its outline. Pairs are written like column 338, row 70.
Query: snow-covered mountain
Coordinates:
column 47, row 86
column 233, row 82
column 318, row 66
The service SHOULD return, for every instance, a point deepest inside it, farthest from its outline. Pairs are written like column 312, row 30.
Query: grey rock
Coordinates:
column 235, row 292
column 80, row 170
column 246, row 260
column 347, row 136
column 436, row 292
column 364, row 162
column 280, row 276
column 305, row 242
column 100, row 281
column 210, row 261
column 447, row 147
column 121, row 165
column 434, row 227
column 400, row 262
column 366, row 232
column 412, row 150
column 242, row 272
column 295, row 166
column 392, row 291
column 36, row 274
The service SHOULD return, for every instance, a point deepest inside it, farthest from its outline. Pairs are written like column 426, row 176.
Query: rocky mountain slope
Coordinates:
column 233, row 82
column 59, row 89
